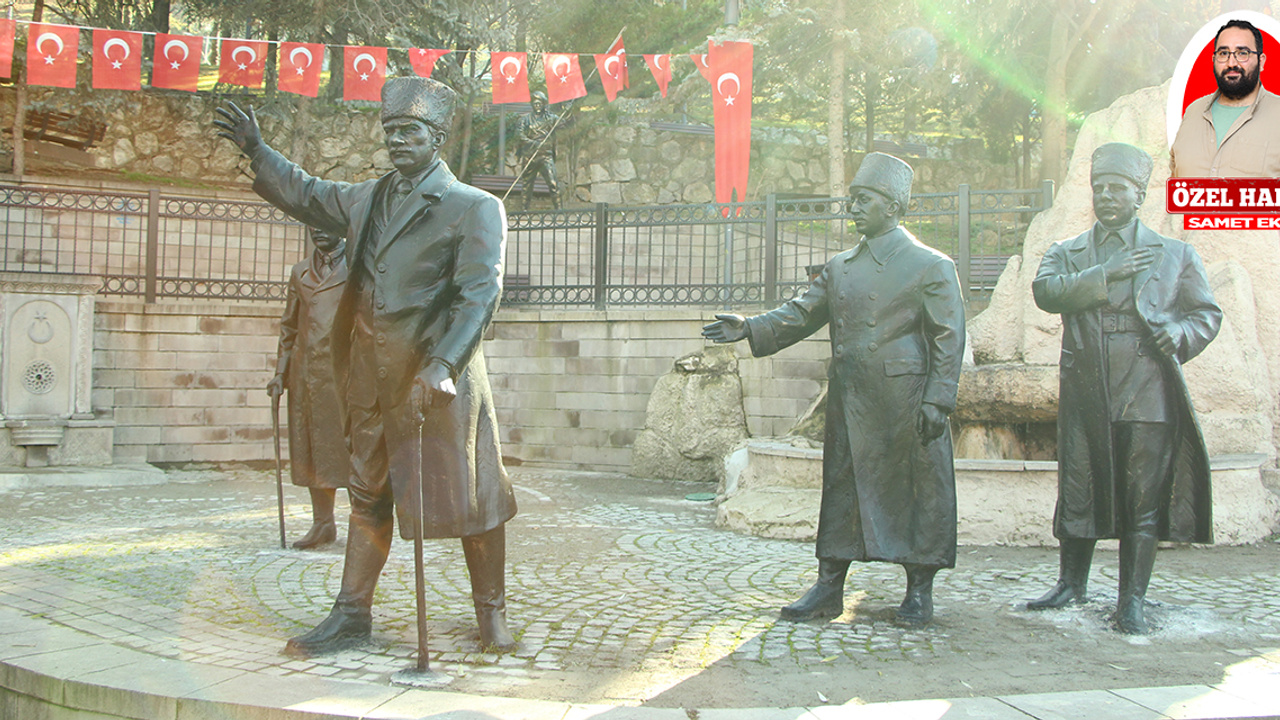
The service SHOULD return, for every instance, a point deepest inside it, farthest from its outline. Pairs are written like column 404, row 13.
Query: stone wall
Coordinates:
column 184, row 380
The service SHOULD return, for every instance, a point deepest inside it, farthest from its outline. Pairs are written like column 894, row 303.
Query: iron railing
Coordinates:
column 756, row 253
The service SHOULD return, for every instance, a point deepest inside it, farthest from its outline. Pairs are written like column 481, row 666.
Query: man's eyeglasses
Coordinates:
column 1241, row 54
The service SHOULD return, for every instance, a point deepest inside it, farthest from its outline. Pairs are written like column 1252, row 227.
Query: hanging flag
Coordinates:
column 7, row 27
column 510, row 73
column 660, row 66
column 616, row 49
column 242, row 62
column 364, row 72
column 610, row 69
column 701, row 62
column 424, row 60
column 300, row 68
column 176, row 62
column 117, row 60
column 731, row 97
column 51, row 55
column 564, row 77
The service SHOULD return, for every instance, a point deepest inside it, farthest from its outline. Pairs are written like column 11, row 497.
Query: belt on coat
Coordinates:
column 1121, row 323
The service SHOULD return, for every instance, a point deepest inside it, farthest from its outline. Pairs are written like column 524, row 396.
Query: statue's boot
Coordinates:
column 917, row 605
column 1075, row 555
column 350, row 622
column 323, row 528
column 1137, row 558
column 826, row 597
column 486, row 562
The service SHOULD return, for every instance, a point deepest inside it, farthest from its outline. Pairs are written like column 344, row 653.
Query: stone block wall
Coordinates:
column 184, row 380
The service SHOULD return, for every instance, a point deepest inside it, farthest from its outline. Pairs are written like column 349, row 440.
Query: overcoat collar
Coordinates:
column 1080, row 254
column 882, row 247
column 429, row 190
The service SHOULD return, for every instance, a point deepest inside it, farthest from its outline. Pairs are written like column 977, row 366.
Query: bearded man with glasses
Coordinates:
column 1234, row 132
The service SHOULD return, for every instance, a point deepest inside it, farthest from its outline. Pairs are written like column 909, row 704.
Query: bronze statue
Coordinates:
column 536, row 148
column 318, row 458
column 1132, row 464
column 897, row 337
column 425, row 254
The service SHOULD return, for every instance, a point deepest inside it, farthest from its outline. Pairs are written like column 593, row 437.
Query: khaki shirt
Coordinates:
column 1250, row 149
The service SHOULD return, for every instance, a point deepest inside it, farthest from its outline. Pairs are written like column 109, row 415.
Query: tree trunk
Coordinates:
column 871, row 91
column 1053, row 123
column 835, row 104
column 466, row 118
column 19, row 120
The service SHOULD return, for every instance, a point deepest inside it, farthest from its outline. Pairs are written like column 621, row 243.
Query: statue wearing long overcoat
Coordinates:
column 436, row 274
column 897, row 341
column 1173, row 290
column 317, row 446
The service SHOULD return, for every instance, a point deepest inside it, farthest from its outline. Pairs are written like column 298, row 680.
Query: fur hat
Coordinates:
column 887, row 175
column 1124, row 160
column 418, row 98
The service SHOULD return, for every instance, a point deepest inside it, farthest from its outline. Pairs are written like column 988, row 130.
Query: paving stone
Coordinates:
column 1192, row 701
column 1091, row 704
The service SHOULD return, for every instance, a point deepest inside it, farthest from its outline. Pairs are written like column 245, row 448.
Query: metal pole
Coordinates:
column 153, row 244
column 602, row 255
column 275, row 426
column 771, row 248
column 1047, row 189
column 728, row 265
column 731, row 12
column 962, row 202
column 502, row 141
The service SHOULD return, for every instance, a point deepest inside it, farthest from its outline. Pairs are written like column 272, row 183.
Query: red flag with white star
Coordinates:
column 731, row 96
column 564, row 77
column 610, row 68
column 510, row 72
column 300, row 68
column 175, row 64
column 117, row 60
column 6, row 46
column 364, row 72
column 701, row 62
column 660, row 66
column 424, row 60
column 242, row 62
column 51, row 55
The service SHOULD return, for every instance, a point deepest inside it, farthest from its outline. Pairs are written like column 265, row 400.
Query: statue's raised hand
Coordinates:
column 727, row 328
column 239, row 127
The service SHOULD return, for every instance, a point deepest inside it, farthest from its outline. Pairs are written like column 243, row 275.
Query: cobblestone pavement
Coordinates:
column 621, row 591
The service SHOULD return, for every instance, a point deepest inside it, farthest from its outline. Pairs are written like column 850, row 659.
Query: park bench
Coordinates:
column 65, row 129
column 896, row 148
column 500, row 184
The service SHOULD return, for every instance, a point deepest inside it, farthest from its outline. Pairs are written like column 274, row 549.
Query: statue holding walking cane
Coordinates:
column 425, row 258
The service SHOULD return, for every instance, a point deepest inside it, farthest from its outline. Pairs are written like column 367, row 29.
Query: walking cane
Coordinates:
column 275, row 426
column 421, row 674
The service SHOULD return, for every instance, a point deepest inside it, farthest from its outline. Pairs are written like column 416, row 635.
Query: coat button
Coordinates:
column 382, row 373
column 873, row 296
column 873, row 347
column 871, row 322
column 1156, row 276
column 840, row 323
column 842, row 294
column 382, row 267
column 382, row 339
column 381, row 303
column 839, row 349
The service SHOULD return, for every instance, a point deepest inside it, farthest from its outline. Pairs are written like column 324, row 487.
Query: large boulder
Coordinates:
column 695, row 417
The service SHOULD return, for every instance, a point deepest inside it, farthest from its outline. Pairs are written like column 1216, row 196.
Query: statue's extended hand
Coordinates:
column 239, row 127
column 727, row 328
column 1126, row 264
column 275, row 388
column 432, row 388
column 931, row 423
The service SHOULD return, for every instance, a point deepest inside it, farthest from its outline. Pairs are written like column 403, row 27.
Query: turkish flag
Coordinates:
column 51, row 55
column 564, row 77
column 660, row 66
column 364, row 72
column 701, row 62
column 510, row 71
column 300, row 68
column 611, row 70
column 175, row 64
column 731, row 97
column 117, row 60
column 424, row 60
column 617, row 50
column 242, row 62
column 6, row 46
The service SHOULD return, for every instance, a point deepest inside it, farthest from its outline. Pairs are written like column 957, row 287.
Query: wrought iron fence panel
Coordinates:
column 550, row 258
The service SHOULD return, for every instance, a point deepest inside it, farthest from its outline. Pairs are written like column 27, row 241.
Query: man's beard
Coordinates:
column 1234, row 90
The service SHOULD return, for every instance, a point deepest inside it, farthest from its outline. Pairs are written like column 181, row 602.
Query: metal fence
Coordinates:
column 157, row 245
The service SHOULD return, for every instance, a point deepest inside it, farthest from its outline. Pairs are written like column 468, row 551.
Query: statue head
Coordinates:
column 538, row 100
column 416, row 116
column 324, row 240
column 1118, row 175
column 880, row 192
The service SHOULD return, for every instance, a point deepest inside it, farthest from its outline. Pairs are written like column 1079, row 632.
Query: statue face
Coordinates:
column 412, row 144
column 324, row 241
column 1116, row 199
column 538, row 104
column 873, row 214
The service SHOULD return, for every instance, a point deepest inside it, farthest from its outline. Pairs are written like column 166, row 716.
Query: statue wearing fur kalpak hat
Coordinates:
column 1132, row 464
column 425, row 258
column 896, row 318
